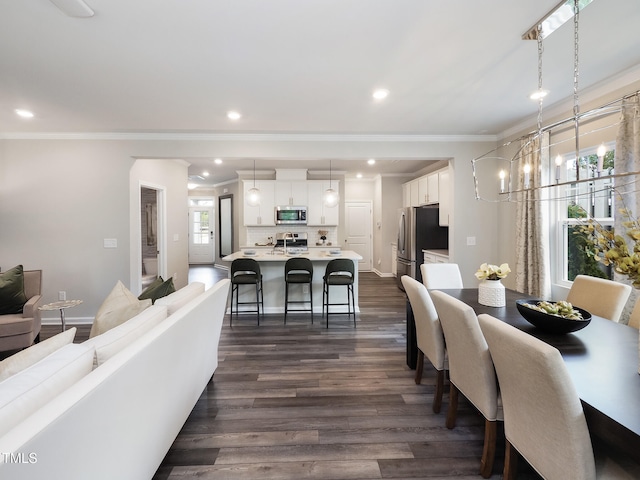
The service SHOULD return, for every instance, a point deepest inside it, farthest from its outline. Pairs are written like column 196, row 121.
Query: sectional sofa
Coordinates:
column 110, row 407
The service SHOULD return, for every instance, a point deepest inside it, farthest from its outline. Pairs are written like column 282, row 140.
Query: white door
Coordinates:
column 201, row 244
column 358, row 229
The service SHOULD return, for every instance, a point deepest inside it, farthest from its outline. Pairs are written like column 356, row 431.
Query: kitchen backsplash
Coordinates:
column 261, row 234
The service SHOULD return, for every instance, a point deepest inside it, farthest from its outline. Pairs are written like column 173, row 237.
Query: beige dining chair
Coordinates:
column 429, row 336
column 634, row 318
column 471, row 370
column 543, row 417
column 441, row 275
column 599, row 296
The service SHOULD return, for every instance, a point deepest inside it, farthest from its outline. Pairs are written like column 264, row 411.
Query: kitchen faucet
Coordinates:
column 287, row 235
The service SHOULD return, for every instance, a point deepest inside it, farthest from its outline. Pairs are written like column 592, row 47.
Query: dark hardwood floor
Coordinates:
column 305, row 402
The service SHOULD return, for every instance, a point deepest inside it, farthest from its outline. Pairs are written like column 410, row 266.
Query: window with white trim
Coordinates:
column 592, row 197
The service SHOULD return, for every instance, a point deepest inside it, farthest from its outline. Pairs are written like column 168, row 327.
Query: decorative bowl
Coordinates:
column 549, row 322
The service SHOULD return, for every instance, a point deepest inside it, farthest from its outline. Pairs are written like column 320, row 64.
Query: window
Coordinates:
column 593, row 198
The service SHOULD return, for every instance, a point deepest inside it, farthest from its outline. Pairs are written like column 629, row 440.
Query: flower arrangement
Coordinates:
column 323, row 235
column 610, row 248
column 492, row 272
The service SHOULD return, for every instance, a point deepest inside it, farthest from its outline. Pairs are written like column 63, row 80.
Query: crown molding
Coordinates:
column 244, row 137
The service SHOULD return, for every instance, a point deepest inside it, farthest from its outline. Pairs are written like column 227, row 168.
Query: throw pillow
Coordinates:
column 107, row 320
column 118, row 298
column 158, row 289
column 12, row 296
column 111, row 342
column 36, row 352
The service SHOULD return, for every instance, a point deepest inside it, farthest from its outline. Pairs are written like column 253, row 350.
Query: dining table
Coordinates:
column 602, row 360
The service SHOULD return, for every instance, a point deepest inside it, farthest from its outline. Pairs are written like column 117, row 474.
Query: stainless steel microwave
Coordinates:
column 290, row 215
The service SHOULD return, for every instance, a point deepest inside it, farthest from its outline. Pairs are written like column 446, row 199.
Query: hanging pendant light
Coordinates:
column 253, row 194
column 330, row 197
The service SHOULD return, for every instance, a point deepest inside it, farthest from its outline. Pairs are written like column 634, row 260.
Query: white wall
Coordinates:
column 60, row 198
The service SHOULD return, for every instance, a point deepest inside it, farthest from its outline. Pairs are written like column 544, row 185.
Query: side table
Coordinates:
column 62, row 305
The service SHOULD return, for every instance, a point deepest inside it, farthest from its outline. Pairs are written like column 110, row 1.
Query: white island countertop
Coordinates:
column 272, row 269
column 315, row 255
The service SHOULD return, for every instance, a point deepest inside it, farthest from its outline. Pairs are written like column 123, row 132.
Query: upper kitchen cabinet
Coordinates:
column 444, row 186
column 317, row 213
column 262, row 214
column 291, row 193
column 428, row 189
column 411, row 193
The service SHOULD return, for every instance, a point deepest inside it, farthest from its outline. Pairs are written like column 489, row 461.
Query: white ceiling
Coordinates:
column 297, row 67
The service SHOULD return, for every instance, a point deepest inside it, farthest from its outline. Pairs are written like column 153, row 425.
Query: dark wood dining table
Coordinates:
column 602, row 360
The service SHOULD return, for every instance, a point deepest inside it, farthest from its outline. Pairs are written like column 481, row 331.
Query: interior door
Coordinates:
column 201, row 236
column 359, row 232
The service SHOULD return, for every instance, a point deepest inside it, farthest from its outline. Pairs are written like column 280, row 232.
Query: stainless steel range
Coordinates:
column 294, row 242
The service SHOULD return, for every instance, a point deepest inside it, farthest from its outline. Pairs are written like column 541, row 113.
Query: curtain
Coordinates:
column 532, row 219
column 627, row 159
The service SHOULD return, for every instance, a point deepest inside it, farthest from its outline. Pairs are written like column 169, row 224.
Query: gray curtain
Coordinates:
column 627, row 159
column 532, row 220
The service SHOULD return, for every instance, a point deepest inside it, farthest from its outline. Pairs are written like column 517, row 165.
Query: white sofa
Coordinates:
column 119, row 420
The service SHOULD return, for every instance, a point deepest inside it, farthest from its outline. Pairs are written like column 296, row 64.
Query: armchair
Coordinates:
column 20, row 330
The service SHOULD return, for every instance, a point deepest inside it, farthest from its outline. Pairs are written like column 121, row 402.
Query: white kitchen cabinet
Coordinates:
column 432, row 188
column 444, row 211
column 436, row 256
column 317, row 213
column 406, row 195
column 423, row 191
column 291, row 193
column 415, row 192
column 262, row 214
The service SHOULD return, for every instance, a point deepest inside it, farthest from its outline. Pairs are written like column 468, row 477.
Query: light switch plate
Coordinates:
column 471, row 241
column 110, row 243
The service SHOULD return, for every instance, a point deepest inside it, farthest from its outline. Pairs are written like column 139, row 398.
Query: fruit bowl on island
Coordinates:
column 553, row 317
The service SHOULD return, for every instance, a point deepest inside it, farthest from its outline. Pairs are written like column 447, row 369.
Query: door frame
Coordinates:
column 161, row 193
column 212, row 226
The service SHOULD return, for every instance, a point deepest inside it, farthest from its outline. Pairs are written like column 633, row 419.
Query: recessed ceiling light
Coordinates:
column 538, row 94
column 191, row 186
column 371, row 161
column 233, row 115
column 380, row 93
column 24, row 113
column 205, row 173
column 358, row 175
column 217, row 161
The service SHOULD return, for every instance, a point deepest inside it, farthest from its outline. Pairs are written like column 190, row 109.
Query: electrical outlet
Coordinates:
column 471, row 241
column 305, row 288
column 62, row 295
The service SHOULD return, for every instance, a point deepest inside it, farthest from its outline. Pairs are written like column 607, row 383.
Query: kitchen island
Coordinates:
column 272, row 268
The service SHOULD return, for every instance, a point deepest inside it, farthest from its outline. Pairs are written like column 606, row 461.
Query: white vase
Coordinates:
column 491, row 293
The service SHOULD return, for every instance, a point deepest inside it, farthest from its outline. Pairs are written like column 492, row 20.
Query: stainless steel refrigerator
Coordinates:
column 418, row 229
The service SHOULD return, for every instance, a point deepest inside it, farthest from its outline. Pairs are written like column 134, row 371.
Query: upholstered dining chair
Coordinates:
column 599, row 296
column 429, row 335
column 543, row 417
column 471, row 370
column 441, row 275
column 634, row 318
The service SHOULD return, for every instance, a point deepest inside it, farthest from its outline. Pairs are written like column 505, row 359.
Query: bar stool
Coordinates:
column 339, row 272
column 246, row 271
column 298, row 271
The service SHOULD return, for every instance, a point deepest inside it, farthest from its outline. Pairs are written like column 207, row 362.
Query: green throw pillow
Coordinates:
column 12, row 296
column 158, row 289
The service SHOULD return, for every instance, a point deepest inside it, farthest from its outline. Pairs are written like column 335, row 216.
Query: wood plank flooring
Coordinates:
column 305, row 402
